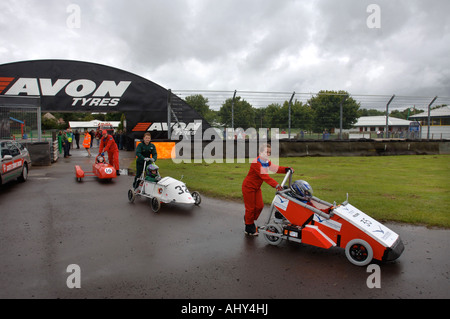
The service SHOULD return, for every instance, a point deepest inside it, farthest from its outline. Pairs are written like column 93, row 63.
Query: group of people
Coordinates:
column 146, row 152
column 107, row 145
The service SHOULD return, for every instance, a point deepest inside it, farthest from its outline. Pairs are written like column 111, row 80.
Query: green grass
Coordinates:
column 410, row 189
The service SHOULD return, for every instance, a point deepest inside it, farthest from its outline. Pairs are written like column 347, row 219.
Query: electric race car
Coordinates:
column 296, row 215
column 100, row 169
column 163, row 190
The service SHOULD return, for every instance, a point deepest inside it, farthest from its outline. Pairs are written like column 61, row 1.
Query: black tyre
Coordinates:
column 155, row 204
column 197, row 198
column 359, row 252
column 131, row 195
column 24, row 176
column 275, row 229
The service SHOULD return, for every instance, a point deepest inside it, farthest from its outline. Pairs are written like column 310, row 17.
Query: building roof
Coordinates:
column 380, row 121
column 91, row 124
column 440, row 112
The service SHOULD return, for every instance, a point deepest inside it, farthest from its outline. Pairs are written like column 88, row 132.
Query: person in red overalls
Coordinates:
column 107, row 144
column 251, row 187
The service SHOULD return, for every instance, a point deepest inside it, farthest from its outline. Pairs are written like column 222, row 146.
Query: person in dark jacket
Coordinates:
column 144, row 151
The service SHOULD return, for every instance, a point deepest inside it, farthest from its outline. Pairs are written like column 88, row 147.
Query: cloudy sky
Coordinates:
column 255, row 45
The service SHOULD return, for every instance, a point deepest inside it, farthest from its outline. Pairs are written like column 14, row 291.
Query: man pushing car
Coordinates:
column 107, row 144
column 251, row 187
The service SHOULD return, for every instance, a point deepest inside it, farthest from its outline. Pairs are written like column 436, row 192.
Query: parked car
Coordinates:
column 15, row 161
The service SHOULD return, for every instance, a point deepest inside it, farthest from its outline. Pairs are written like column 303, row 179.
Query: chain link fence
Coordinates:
column 288, row 111
column 20, row 119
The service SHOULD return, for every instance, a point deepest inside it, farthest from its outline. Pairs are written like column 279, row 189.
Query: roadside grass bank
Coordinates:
column 409, row 189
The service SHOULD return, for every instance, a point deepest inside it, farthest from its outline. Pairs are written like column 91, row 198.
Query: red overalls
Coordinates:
column 251, row 187
column 107, row 144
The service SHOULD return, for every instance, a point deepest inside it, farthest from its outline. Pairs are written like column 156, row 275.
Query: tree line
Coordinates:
column 319, row 113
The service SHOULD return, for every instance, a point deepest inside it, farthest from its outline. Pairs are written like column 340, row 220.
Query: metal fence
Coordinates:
column 20, row 119
column 382, row 103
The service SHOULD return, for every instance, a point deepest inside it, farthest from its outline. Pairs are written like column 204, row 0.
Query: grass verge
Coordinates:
column 410, row 189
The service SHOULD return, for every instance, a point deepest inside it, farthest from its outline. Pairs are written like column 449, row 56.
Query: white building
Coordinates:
column 439, row 123
column 374, row 127
column 91, row 125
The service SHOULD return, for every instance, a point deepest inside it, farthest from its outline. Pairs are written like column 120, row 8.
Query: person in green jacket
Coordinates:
column 144, row 151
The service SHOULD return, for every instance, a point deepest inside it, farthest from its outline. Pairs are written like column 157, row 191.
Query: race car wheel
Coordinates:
column 273, row 240
column 131, row 195
column 359, row 252
column 156, row 204
column 197, row 198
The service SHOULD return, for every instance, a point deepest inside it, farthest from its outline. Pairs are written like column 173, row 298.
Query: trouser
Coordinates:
column 254, row 204
column 139, row 168
column 113, row 158
column 66, row 149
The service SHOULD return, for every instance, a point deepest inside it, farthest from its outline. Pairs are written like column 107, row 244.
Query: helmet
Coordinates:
column 150, row 168
column 302, row 189
column 100, row 159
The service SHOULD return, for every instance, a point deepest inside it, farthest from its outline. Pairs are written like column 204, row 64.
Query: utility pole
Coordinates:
column 341, row 115
column 169, row 114
column 387, row 115
column 290, row 104
column 232, row 110
column 429, row 118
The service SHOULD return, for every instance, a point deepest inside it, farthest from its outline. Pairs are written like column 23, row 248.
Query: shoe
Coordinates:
column 251, row 230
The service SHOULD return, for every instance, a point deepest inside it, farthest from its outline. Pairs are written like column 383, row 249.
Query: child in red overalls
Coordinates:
column 251, row 187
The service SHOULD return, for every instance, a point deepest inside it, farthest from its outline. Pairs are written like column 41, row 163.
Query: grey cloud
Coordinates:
column 245, row 45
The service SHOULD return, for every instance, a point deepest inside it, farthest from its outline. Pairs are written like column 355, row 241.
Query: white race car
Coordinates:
column 166, row 190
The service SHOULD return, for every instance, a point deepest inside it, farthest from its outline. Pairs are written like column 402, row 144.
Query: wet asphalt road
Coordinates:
column 126, row 251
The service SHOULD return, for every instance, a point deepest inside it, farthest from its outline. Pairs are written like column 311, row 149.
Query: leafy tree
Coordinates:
column 244, row 114
column 370, row 112
column 271, row 113
column 199, row 103
column 326, row 107
column 302, row 116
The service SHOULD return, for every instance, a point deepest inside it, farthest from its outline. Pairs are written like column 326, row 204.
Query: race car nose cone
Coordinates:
column 395, row 251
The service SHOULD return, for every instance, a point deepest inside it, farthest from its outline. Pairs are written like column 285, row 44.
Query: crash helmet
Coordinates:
column 302, row 189
column 100, row 159
column 150, row 168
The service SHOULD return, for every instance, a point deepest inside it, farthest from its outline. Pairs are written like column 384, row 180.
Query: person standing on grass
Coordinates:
column 251, row 187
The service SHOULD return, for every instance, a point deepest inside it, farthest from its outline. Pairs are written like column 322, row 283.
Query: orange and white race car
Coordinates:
column 298, row 216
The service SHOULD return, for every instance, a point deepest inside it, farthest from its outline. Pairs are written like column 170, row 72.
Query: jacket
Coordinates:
column 143, row 151
column 259, row 173
column 107, row 144
column 87, row 140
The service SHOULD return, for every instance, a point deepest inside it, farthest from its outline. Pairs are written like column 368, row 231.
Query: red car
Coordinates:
column 300, row 217
column 101, row 169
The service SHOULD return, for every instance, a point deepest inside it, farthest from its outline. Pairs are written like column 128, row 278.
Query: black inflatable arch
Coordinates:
column 76, row 86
